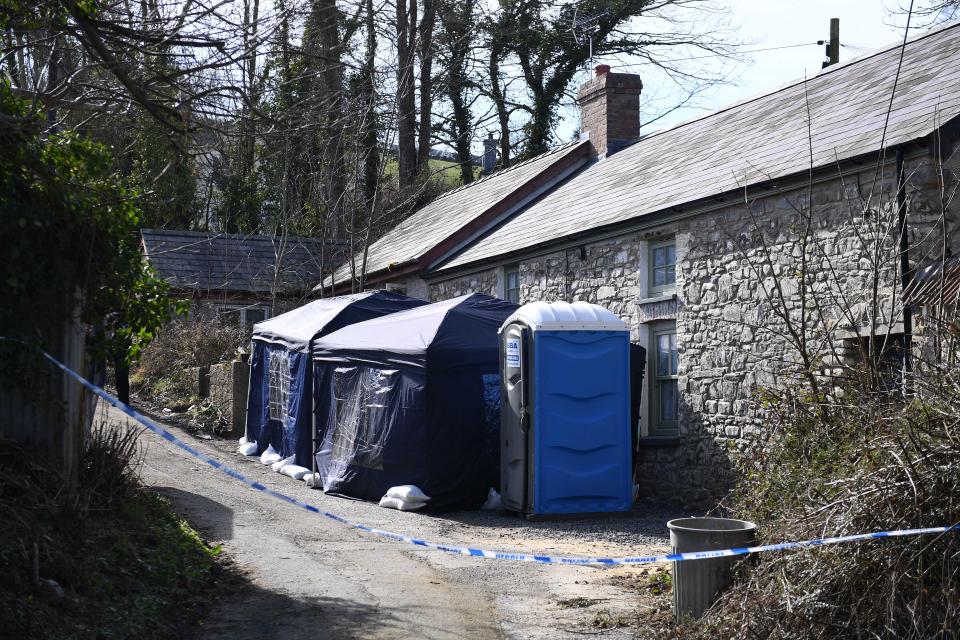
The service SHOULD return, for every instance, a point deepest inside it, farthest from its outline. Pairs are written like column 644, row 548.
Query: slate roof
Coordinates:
column 450, row 212
column 197, row 261
column 748, row 143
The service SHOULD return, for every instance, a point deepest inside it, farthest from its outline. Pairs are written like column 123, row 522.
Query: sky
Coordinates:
column 763, row 24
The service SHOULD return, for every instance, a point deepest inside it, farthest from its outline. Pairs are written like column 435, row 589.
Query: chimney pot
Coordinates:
column 602, row 69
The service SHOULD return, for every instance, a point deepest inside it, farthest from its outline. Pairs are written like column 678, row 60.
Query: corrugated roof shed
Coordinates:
column 939, row 282
column 749, row 143
column 453, row 210
column 196, row 261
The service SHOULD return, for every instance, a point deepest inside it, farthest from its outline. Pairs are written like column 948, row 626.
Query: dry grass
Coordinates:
column 862, row 461
column 198, row 342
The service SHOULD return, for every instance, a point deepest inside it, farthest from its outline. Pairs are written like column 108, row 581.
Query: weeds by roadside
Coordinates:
column 106, row 560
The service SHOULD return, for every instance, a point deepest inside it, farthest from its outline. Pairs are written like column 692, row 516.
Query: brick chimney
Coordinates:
column 489, row 153
column 610, row 109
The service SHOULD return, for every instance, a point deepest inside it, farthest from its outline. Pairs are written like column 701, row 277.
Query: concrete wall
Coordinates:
column 737, row 289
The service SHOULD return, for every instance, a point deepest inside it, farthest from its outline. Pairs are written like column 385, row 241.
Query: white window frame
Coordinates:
column 670, row 287
column 222, row 309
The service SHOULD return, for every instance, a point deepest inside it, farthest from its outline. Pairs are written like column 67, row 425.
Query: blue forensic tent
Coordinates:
column 279, row 407
column 412, row 398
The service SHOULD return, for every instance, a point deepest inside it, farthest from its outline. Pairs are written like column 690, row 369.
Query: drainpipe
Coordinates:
column 905, row 272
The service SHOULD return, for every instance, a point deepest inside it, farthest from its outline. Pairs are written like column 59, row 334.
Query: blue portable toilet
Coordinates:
column 565, row 416
column 279, row 404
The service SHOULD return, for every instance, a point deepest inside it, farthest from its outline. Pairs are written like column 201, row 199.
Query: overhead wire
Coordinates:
column 730, row 55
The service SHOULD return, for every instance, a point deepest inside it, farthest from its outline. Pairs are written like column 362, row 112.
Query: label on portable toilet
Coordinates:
column 513, row 352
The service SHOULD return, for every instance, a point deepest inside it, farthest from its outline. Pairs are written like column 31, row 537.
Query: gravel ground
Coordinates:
column 307, row 571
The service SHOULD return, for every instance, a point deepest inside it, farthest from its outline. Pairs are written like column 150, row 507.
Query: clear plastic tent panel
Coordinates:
column 362, row 395
column 279, row 385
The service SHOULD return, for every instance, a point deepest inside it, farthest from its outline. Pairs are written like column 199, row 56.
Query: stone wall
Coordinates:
column 487, row 282
column 737, row 291
column 417, row 288
column 605, row 273
column 229, row 385
column 197, row 381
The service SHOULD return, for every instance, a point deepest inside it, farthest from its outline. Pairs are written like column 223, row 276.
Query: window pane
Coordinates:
column 670, row 274
column 663, row 355
column 278, row 395
column 659, row 256
column 671, row 251
column 226, row 314
column 674, row 356
column 512, row 277
column 255, row 315
column 668, row 401
column 659, row 277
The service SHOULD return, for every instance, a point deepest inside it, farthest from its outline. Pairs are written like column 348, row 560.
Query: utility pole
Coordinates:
column 833, row 46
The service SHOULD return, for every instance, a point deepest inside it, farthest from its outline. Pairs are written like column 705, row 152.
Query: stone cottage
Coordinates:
column 245, row 278
column 765, row 240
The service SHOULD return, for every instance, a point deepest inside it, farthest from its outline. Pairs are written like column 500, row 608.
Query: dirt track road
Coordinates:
column 314, row 576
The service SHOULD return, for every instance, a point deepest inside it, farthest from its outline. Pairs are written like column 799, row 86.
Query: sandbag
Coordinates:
column 493, row 500
column 247, row 449
column 280, row 464
column 269, row 456
column 295, row 471
column 401, row 505
column 408, row 493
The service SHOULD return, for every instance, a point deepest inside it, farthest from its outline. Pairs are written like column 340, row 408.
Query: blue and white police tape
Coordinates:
column 483, row 553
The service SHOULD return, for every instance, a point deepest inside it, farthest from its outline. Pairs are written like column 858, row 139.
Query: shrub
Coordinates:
column 873, row 462
column 198, row 342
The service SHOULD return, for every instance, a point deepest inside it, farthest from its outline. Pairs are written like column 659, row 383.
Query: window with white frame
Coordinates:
column 664, row 397
column 244, row 315
column 278, row 385
column 663, row 266
column 511, row 284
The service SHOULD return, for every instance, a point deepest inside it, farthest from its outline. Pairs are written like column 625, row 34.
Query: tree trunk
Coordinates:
column 372, row 168
column 499, row 101
column 538, row 129
column 458, row 24
column 323, row 73
column 406, row 98
column 427, row 23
